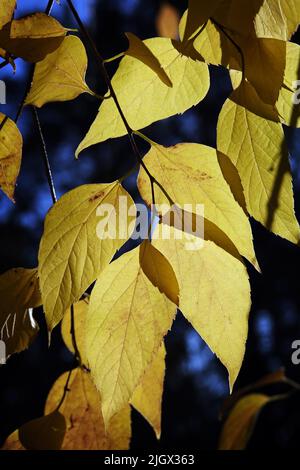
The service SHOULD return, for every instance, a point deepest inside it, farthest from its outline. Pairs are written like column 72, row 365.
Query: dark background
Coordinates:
column 196, row 383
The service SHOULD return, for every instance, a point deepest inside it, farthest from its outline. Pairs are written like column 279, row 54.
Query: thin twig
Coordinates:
column 45, row 155
column 66, row 390
column 73, row 336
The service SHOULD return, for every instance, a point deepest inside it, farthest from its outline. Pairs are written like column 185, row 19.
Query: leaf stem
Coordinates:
column 115, row 57
column 73, row 336
column 66, row 390
column 45, row 155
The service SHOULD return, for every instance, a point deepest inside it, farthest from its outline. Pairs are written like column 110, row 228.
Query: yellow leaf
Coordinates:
column 190, row 174
column 11, row 144
column 18, row 330
column 19, row 289
column 257, row 148
column 82, row 410
column 61, row 75
column 79, row 242
column 159, row 271
column 276, row 19
column 80, row 312
column 19, row 293
column 7, row 11
column 32, row 37
column 239, row 425
column 45, row 433
column 216, row 48
column 147, row 397
column 264, row 66
column 167, row 21
column 287, row 109
column 140, row 51
column 127, row 320
column 198, row 13
column 12, row 442
column 214, row 295
column 144, row 98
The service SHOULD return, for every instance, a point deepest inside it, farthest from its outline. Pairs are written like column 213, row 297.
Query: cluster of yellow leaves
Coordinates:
column 120, row 331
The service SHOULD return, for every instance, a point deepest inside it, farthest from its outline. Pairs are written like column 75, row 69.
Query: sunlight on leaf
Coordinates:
column 11, row 144
column 82, row 410
column 61, row 75
column 214, row 295
column 143, row 96
column 74, row 248
column 127, row 320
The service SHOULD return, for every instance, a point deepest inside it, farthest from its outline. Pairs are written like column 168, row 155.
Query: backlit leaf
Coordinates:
column 32, row 37
column 19, row 293
column 77, row 243
column 198, row 13
column 6, row 12
column 257, row 148
column 140, row 51
column 127, row 320
column 144, row 98
column 82, row 410
column 190, row 174
column 239, row 425
column 11, row 144
column 214, row 295
column 147, row 397
column 61, row 75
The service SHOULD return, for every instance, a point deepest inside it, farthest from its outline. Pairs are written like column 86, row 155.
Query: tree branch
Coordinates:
column 45, row 155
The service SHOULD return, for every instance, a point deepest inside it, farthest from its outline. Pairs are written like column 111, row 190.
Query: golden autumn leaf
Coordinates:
column 159, row 271
column 61, row 75
column 76, row 244
column 11, row 144
column 147, row 397
column 276, row 19
column 7, row 11
column 13, row 442
column 213, row 46
column 18, row 330
column 167, row 21
column 32, row 37
column 82, row 410
column 214, row 294
column 256, row 146
column 142, row 95
column 19, row 293
column 240, row 423
column 191, row 175
column 127, row 320
column 45, row 433
column 140, row 51
column 19, row 289
column 287, row 106
column 264, row 66
column 198, row 13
